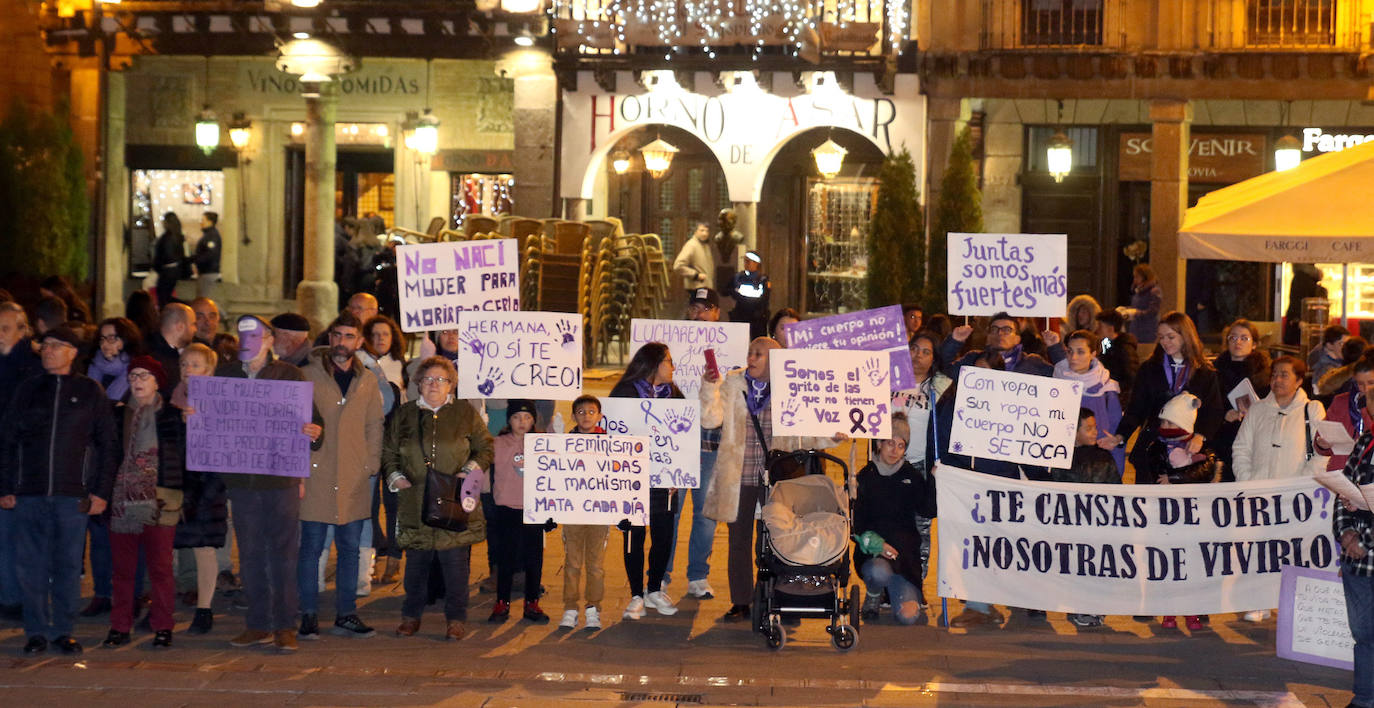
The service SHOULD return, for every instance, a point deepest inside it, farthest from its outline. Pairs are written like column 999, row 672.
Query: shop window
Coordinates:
column 838, row 212
column 186, row 193
column 1291, row 23
column 1084, row 148
column 363, row 185
column 479, row 193
column 1061, row 22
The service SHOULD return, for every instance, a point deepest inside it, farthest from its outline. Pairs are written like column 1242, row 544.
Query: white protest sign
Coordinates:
column 436, row 281
column 1001, row 415
column 1023, row 275
column 688, row 342
column 1115, row 549
column 821, row 392
column 586, row 479
column 1313, row 625
column 673, row 427
column 534, row 355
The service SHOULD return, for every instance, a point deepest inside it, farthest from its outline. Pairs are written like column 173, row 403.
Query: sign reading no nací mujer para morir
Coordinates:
column 1127, row 549
column 437, row 281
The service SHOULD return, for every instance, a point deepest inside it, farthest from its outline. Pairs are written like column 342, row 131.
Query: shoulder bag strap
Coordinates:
column 758, row 427
column 1307, row 430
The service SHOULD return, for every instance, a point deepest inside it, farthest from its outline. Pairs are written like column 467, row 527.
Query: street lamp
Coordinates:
column 1287, row 153
column 240, row 131
column 424, row 134
column 829, row 158
column 620, row 162
column 520, row 7
column 658, row 156
column 1059, row 155
column 207, row 130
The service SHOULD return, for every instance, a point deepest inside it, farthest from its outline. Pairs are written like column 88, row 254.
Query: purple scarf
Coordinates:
column 1176, row 375
column 648, row 390
column 1012, row 357
column 756, row 394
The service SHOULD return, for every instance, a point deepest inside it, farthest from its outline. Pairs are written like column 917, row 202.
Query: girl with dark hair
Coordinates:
column 117, row 341
column 650, row 375
column 1243, row 359
column 382, row 339
column 169, row 257
column 777, row 326
column 522, row 544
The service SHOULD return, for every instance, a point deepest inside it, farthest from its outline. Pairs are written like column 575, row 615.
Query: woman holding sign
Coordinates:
column 436, row 434
column 650, row 375
column 1242, row 361
column 740, row 405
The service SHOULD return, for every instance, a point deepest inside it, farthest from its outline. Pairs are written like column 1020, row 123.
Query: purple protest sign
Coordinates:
column 880, row 329
column 1312, row 620
column 248, row 426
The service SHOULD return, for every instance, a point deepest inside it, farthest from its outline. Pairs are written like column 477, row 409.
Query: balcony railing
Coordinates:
column 1010, row 24
column 1290, row 23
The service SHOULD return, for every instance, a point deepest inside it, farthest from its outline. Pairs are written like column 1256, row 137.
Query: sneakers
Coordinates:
column 635, row 610
column 284, row 640
column 1256, row 615
column 1078, row 620
column 162, row 639
column 569, row 620
column 1193, row 622
column 251, row 637
column 1038, row 615
column 351, row 626
column 310, row 627
column 593, row 618
column 115, row 639
column 700, row 589
column 202, row 623
column 872, row 606
column 661, row 603
column 1170, row 622
column 533, row 614
column 500, row 612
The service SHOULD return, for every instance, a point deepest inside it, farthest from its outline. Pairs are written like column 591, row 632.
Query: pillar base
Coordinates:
column 318, row 302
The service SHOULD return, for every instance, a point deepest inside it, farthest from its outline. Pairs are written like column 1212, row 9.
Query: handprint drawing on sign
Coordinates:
column 477, row 346
column 876, row 370
column 567, row 329
column 789, row 412
column 494, row 376
column 680, row 421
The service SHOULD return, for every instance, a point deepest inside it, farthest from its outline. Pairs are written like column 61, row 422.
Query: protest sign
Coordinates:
column 1312, row 621
column 436, row 281
column 1020, row 418
column 1116, row 549
column 534, row 355
column 1023, row 275
column 688, row 342
column 882, row 329
column 586, row 479
column 823, row 392
column 673, row 427
column 248, row 426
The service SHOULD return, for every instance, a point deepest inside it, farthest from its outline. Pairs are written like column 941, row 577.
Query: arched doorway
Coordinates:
column 811, row 230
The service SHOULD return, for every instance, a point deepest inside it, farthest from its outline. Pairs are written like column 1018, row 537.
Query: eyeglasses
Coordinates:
column 111, row 338
column 1001, row 329
column 431, row 380
column 139, row 375
column 1239, row 338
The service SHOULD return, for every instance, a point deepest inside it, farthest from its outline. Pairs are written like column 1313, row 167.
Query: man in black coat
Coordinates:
column 206, row 257
column 177, row 329
column 1004, row 335
column 18, row 362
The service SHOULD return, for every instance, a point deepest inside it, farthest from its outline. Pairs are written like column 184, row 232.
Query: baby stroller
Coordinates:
column 803, row 550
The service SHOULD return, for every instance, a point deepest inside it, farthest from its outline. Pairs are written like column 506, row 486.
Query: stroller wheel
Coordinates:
column 776, row 635
column 845, row 637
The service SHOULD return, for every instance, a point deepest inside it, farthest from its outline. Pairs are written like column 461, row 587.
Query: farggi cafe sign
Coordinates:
column 1318, row 140
column 1212, row 157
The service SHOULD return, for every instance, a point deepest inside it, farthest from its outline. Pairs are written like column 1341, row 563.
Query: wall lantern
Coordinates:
column 240, row 131
column 521, row 7
column 207, row 130
column 658, row 156
column 424, row 134
column 829, row 158
column 1059, row 155
column 620, row 162
column 305, row 3
column 1287, row 153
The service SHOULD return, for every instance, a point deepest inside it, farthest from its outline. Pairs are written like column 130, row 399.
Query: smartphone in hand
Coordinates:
column 711, row 360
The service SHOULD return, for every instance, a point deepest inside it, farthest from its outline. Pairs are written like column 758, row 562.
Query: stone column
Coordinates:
column 317, row 296
column 536, row 118
column 1169, row 195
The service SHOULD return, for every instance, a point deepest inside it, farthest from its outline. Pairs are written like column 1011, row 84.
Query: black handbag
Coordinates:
column 442, row 508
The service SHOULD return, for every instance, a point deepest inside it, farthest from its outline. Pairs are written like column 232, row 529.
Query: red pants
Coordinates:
column 156, row 542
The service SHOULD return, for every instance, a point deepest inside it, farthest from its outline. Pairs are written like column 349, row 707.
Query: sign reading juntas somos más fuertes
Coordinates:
column 520, row 355
column 248, row 426
column 881, row 329
column 437, row 281
column 1127, row 550
column 586, row 479
column 824, row 392
column 1024, row 275
column 1019, row 418
column 673, row 427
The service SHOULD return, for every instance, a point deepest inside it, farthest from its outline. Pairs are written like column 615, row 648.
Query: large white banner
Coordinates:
column 520, row 355
column 673, row 427
column 1020, row 418
column 821, row 392
column 688, row 342
column 436, row 281
column 1023, row 275
column 1127, row 550
column 586, row 479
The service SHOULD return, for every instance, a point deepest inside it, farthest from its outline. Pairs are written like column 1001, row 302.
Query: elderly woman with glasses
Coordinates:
column 435, row 432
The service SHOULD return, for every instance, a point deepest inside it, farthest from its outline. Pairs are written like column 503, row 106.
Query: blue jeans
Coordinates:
column 703, row 534
column 51, row 535
column 346, row 537
column 9, row 577
column 878, row 575
column 1359, row 610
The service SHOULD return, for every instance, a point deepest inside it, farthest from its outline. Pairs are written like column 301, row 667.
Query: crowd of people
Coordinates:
column 94, row 435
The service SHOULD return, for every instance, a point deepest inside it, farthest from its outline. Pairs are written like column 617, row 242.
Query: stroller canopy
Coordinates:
column 807, row 520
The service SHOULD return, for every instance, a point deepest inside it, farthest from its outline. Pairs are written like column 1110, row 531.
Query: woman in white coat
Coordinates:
column 1277, row 438
column 735, row 403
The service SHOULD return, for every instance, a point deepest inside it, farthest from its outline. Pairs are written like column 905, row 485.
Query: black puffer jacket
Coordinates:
column 58, row 439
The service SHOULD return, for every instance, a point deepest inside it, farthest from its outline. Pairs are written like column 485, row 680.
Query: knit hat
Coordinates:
column 1181, row 411
column 520, row 405
column 152, row 366
column 291, row 322
column 901, row 428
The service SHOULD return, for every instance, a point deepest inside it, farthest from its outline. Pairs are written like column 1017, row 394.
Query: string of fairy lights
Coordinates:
column 788, row 22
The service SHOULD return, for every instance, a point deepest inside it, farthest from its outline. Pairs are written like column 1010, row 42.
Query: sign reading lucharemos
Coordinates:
column 1023, row 275
column 1127, row 550
column 439, row 280
column 1020, row 418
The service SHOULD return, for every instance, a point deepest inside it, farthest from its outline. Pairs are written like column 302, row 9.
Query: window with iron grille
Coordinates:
column 1061, row 22
column 1291, row 23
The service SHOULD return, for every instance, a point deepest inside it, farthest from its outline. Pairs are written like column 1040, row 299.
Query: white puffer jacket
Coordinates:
column 1272, row 442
